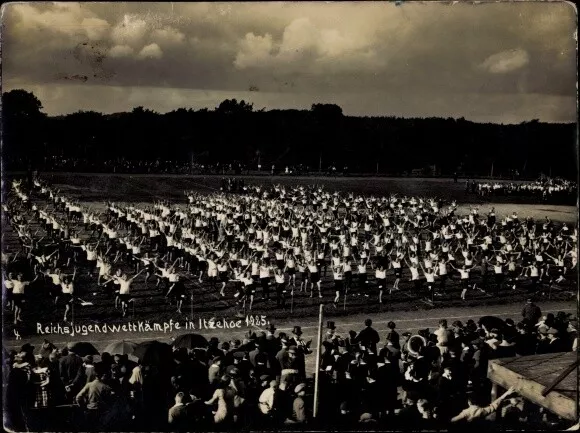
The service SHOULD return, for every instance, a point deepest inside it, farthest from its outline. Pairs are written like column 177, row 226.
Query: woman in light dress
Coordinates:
column 224, row 396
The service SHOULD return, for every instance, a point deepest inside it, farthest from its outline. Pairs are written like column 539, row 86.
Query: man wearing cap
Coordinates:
column 298, row 406
column 268, row 399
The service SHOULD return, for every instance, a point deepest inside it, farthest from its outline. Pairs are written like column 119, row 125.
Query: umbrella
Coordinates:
column 153, row 353
column 491, row 322
column 83, row 348
column 190, row 341
column 121, row 348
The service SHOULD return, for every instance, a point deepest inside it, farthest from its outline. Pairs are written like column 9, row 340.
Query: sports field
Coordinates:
column 204, row 301
column 145, row 187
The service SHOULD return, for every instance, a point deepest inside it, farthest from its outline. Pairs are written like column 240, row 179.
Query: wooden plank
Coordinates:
column 556, row 402
column 543, row 369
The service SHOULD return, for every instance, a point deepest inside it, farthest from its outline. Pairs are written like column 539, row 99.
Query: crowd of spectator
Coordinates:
column 545, row 189
column 433, row 380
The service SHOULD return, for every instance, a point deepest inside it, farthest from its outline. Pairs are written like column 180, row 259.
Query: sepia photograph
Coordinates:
column 289, row 216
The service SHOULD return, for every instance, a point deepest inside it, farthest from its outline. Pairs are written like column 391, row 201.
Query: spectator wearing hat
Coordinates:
column 555, row 343
column 450, row 392
column 213, row 348
column 291, row 367
column 299, row 415
column 331, row 331
column 236, row 382
column 369, row 337
column 542, row 344
column 28, row 353
column 525, row 341
column 260, row 358
column 271, row 331
column 214, row 371
column 268, row 401
column 303, row 346
column 510, row 331
column 242, row 363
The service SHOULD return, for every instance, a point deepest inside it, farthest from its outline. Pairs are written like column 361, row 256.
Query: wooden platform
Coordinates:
column 530, row 375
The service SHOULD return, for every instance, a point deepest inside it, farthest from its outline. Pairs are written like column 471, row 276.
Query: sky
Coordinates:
column 501, row 62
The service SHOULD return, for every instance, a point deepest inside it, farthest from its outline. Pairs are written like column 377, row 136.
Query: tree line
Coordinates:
column 320, row 137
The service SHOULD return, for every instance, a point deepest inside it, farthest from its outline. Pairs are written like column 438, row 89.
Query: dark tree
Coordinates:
column 23, row 125
column 232, row 106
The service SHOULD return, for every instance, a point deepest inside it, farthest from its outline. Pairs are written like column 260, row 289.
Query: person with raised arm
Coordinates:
column 19, row 296
column 67, row 292
column 125, row 288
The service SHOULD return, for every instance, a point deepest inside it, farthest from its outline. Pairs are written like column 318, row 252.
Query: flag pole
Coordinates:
column 317, row 367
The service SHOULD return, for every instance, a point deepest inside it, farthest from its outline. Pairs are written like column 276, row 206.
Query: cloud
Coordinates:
column 130, row 31
column 168, row 36
column 316, row 48
column 506, row 61
column 96, row 28
column 254, row 51
column 120, row 51
column 306, row 46
column 151, row 51
column 68, row 19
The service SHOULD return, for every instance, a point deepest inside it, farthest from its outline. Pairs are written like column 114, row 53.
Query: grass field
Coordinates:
column 205, row 303
column 125, row 187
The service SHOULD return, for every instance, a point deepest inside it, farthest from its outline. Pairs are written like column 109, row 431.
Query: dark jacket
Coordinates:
column 369, row 338
column 69, row 367
column 531, row 313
